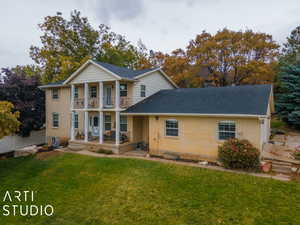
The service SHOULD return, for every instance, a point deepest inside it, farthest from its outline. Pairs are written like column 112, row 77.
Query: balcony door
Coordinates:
column 108, row 96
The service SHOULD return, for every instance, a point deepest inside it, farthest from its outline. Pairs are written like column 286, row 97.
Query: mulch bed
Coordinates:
column 47, row 155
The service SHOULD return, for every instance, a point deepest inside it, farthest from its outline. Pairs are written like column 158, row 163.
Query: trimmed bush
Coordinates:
column 239, row 154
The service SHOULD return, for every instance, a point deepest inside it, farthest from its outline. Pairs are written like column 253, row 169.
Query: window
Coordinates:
column 76, row 92
column 93, row 92
column 107, row 122
column 123, row 90
column 76, row 120
column 55, row 94
column 123, row 123
column 172, row 128
column 55, row 120
column 143, row 90
column 226, row 130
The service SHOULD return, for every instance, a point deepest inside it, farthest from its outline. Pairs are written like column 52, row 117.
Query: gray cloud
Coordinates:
column 106, row 10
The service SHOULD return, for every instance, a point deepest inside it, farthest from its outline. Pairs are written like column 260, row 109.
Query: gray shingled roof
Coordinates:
column 248, row 99
column 122, row 71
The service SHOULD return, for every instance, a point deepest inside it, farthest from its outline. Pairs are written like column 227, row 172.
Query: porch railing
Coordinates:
column 78, row 103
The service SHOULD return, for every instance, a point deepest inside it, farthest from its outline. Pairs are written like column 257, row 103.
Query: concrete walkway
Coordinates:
column 217, row 168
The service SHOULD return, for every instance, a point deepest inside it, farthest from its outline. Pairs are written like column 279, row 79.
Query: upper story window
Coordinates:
column 76, row 92
column 55, row 93
column 55, row 120
column 123, row 90
column 143, row 90
column 226, row 130
column 123, row 123
column 93, row 92
column 172, row 128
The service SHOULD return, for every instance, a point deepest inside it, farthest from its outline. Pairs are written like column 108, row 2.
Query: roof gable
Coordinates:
column 242, row 100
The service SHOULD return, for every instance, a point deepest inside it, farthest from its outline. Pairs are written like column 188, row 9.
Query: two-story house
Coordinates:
column 86, row 107
column 102, row 106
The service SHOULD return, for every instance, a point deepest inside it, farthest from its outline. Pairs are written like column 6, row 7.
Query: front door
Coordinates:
column 108, row 95
column 94, row 125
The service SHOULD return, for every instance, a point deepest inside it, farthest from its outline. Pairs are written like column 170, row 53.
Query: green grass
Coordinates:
column 87, row 190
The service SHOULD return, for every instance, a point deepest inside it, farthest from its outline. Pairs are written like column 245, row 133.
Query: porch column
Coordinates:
column 86, row 95
column 117, row 127
column 117, row 102
column 101, row 127
column 72, row 96
column 86, row 126
column 72, row 125
column 101, row 95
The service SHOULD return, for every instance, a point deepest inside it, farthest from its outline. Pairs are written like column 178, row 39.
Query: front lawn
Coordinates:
column 87, row 190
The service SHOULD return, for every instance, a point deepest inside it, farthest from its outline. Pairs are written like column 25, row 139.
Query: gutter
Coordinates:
column 195, row 114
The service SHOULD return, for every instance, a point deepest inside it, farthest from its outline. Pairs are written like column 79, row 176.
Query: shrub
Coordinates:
column 239, row 154
column 104, row 151
column 297, row 153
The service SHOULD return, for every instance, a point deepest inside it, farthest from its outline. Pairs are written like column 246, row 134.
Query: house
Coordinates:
column 102, row 106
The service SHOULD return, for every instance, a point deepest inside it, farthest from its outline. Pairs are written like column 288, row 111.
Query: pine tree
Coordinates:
column 288, row 98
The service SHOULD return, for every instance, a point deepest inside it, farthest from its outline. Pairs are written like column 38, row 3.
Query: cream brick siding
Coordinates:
column 198, row 135
column 62, row 107
column 154, row 82
column 92, row 73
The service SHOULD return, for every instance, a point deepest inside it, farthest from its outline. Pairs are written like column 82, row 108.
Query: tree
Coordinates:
column 234, row 57
column 288, row 98
column 9, row 123
column 22, row 90
column 67, row 44
column 292, row 46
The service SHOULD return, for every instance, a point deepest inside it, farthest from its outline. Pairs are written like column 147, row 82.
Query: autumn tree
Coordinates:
column 234, row 57
column 67, row 44
column 9, row 123
column 22, row 91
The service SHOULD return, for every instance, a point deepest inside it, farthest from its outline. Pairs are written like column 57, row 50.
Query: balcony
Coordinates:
column 93, row 103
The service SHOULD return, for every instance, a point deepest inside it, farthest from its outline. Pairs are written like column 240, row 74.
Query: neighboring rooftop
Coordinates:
column 247, row 99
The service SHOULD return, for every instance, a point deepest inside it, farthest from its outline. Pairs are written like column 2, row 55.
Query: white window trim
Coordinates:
column 76, row 116
column 124, row 123
column 172, row 128
column 125, row 90
column 52, row 93
column 108, row 122
column 143, row 91
column 76, row 93
column 93, row 87
column 226, row 121
column 55, row 113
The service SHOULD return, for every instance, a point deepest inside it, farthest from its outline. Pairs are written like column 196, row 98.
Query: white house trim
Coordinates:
column 84, row 66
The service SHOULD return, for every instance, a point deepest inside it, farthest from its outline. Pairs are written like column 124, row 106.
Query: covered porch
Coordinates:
column 109, row 130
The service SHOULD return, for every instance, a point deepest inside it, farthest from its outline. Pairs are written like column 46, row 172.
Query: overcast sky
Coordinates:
column 161, row 24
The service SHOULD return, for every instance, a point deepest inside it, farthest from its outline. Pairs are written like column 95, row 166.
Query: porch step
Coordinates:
column 76, row 146
column 281, row 169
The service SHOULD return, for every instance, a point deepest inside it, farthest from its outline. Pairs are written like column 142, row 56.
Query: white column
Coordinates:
column 101, row 127
column 72, row 96
column 117, row 127
column 117, row 101
column 72, row 125
column 101, row 95
column 86, row 95
column 86, row 125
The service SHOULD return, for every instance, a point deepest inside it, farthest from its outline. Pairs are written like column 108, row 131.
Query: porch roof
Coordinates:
column 237, row 100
